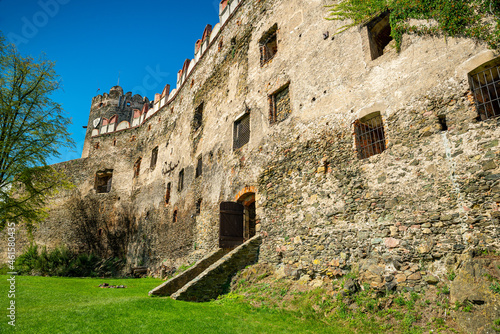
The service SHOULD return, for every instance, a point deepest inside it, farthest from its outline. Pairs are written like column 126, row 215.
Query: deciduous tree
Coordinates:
column 32, row 129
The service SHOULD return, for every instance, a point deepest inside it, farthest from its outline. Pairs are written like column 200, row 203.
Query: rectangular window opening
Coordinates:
column 167, row 193
column 199, row 166
column 198, row 117
column 198, row 206
column 137, row 167
column 181, row 180
column 280, row 106
column 241, row 132
column 485, row 87
column 268, row 45
column 103, row 181
column 370, row 136
column 154, row 157
column 379, row 34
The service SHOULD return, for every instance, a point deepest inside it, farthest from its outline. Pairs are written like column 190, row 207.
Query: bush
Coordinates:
column 62, row 262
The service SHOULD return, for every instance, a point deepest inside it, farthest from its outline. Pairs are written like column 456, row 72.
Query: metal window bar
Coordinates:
column 241, row 134
column 268, row 45
column 485, row 87
column 370, row 137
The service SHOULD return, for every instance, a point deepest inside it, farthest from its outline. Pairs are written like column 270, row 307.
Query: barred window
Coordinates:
column 485, row 86
column 379, row 34
column 103, row 181
column 370, row 136
column 279, row 104
column 199, row 166
column 198, row 117
column 241, row 131
column 137, row 167
column 181, row 180
column 268, row 45
column 154, row 157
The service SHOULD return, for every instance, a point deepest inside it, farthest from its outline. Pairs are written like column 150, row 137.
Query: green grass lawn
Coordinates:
column 78, row 305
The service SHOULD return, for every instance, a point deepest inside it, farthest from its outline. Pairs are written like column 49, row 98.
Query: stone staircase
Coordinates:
column 211, row 276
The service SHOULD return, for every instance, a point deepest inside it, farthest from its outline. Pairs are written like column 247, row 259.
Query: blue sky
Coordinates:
column 93, row 42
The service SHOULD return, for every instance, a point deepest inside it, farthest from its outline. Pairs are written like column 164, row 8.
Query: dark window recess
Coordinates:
column 198, row 206
column 167, row 193
column 485, row 87
column 181, row 180
column 103, row 181
column 442, row 122
column 268, row 45
column 154, row 157
column 379, row 34
column 199, row 166
column 241, row 132
column 137, row 167
column 174, row 216
column 370, row 136
column 280, row 106
column 198, row 117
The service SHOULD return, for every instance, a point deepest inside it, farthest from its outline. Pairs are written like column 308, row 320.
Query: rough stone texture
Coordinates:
column 472, row 287
column 175, row 283
column 427, row 200
column 216, row 280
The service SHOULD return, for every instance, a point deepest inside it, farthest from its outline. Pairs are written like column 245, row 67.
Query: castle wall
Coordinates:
column 430, row 196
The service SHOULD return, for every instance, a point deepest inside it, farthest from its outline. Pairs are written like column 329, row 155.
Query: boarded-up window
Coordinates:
column 154, row 157
column 103, row 181
column 167, row 193
column 137, row 167
column 370, row 136
column 198, row 117
column 379, row 34
column 181, row 180
column 485, row 86
column 199, row 166
column 241, row 131
column 280, row 106
column 268, row 45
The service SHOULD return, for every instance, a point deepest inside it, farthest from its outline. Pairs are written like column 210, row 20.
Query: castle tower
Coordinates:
column 108, row 111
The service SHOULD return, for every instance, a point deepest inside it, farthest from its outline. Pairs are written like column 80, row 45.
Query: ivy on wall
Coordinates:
column 476, row 19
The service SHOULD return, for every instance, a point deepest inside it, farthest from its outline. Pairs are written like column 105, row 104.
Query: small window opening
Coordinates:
column 137, row 167
column 241, row 132
column 167, row 193
column 198, row 206
column 128, row 103
column 96, row 146
column 233, row 41
column 268, row 45
column 198, row 117
column 192, row 83
column 174, row 216
column 103, row 181
column 154, row 157
column 181, row 180
column 442, row 122
column 199, row 166
column 370, row 136
column 149, row 127
column 99, row 232
column 114, row 142
column 101, row 104
column 221, row 44
column 484, row 83
column 280, row 106
column 379, row 34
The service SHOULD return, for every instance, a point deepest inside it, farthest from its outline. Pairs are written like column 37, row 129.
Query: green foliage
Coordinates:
column 495, row 287
column 451, row 275
column 32, row 129
column 477, row 19
column 62, row 262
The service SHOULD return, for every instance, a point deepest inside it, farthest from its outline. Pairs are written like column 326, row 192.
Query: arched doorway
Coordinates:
column 248, row 201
